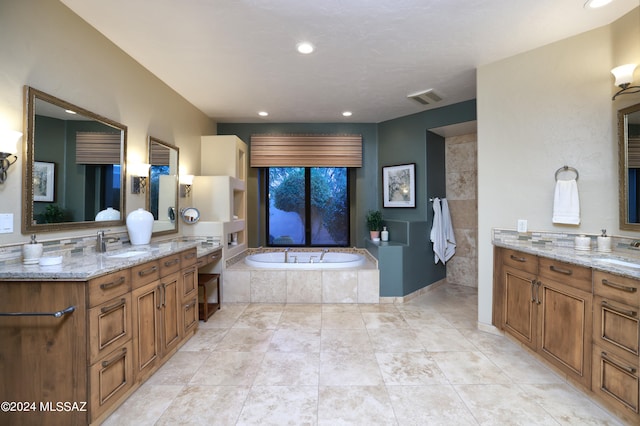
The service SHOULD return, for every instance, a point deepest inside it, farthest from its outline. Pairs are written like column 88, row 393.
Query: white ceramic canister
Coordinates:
column 384, row 234
column 31, row 252
column 582, row 242
column 139, row 226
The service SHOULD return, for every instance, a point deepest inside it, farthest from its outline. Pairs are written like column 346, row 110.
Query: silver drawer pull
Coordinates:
column 114, row 306
column 619, row 286
column 172, row 262
column 554, row 268
column 148, row 271
column 518, row 259
column 112, row 284
column 56, row 314
column 107, row 363
column 628, row 313
column 630, row 370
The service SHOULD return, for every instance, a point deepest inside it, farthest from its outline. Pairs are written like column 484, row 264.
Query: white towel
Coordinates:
column 566, row 203
column 444, row 243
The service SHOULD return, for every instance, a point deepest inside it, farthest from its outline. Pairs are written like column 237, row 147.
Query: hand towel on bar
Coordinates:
column 566, row 203
column 444, row 243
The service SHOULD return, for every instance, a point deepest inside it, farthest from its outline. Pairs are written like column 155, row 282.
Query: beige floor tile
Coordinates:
column 349, row 369
column 409, row 368
column 522, row 367
column 205, row 340
column 444, row 340
column 437, row 405
column 179, row 369
column 295, row 340
column 424, row 319
column 395, row 340
column 393, row 320
column 296, row 319
column 336, row 340
column 354, row 405
column 469, row 368
column 258, row 319
column 205, row 405
column 228, row 369
column 291, row 369
column 502, row 404
column 340, row 307
column 342, row 320
column 280, row 405
column 245, row 340
column 145, row 406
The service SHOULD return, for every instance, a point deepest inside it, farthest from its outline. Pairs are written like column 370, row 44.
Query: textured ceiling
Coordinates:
column 233, row 58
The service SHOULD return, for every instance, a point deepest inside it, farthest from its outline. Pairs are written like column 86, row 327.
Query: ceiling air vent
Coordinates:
column 426, row 97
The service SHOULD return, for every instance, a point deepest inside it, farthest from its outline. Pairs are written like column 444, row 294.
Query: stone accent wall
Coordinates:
column 462, row 195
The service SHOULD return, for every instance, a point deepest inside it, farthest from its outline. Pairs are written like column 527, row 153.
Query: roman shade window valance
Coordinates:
column 98, row 148
column 306, row 151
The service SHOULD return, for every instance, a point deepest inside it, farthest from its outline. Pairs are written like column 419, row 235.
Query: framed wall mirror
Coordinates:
column 629, row 167
column 73, row 166
column 162, row 198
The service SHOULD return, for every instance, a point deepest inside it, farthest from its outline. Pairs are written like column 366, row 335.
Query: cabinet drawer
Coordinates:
column 190, row 314
column 109, row 326
column 111, row 378
column 615, row 380
column 109, row 286
column 575, row 276
column 616, row 326
column 144, row 273
column 519, row 260
column 189, row 257
column 614, row 287
column 169, row 264
column 209, row 258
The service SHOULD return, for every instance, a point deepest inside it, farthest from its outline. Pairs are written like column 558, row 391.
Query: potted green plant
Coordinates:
column 374, row 223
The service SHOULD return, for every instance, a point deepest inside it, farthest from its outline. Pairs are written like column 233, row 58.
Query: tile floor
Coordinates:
column 420, row 363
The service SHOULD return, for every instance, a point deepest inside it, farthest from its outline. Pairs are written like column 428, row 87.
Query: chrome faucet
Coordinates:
column 101, row 242
column 324, row 251
column 635, row 243
column 286, row 255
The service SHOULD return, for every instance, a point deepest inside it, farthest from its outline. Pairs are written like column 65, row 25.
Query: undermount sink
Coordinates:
column 126, row 254
column 618, row 262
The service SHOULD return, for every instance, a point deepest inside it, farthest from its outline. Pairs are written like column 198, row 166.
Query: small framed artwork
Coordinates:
column 399, row 185
column 43, row 181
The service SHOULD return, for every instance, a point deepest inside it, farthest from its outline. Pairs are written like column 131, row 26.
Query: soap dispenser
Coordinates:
column 604, row 242
column 384, row 234
column 31, row 252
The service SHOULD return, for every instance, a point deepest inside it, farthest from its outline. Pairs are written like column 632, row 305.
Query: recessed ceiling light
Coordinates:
column 263, row 113
column 305, row 48
column 68, row 111
column 347, row 114
column 594, row 4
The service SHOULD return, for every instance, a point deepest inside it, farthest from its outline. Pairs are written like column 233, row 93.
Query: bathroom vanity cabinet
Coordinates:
column 583, row 321
column 123, row 327
column 546, row 305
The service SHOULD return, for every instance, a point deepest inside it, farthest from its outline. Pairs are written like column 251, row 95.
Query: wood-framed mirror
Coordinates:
column 74, row 166
column 629, row 167
column 162, row 193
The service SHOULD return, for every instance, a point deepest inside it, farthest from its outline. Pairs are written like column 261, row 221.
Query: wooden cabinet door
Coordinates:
column 170, row 311
column 189, row 283
column 520, row 307
column 189, row 315
column 146, row 308
column 565, row 329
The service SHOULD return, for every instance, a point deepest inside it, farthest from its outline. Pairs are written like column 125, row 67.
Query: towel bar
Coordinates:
column 567, row 169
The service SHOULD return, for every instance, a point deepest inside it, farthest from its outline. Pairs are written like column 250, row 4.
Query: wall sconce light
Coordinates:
column 624, row 78
column 185, row 185
column 139, row 175
column 8, row 141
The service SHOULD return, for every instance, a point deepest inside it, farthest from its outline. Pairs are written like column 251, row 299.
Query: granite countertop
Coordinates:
column 590, row 259
column 81, row 267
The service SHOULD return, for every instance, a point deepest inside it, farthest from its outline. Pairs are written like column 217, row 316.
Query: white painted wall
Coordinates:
column 46, row 46
column 538, row 111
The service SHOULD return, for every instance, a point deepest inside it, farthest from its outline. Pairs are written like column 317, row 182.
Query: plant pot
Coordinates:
column 375, row 235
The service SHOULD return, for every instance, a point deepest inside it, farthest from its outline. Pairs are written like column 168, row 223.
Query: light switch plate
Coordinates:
column 522, row 225
column 6, row 223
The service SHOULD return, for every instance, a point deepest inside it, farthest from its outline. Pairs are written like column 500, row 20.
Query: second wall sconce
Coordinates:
column 624, row 78
column 139, row 174
column 185, row 185
column 8, row 140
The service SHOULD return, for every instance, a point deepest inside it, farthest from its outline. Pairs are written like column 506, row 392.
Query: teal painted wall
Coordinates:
column 398, row 141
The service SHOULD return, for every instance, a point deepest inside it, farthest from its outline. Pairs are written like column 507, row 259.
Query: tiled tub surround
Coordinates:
column 560, row 246
column 81, row 261
column 244, row 284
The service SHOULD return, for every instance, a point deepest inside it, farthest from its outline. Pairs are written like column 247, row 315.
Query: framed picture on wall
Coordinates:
column 43, row 181
column 399, row 185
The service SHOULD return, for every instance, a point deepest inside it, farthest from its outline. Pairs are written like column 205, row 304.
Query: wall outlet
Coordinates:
column 522, row 225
